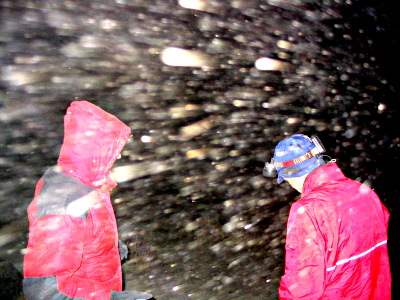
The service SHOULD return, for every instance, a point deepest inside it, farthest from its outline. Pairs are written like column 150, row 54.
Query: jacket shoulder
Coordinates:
column 59, row 192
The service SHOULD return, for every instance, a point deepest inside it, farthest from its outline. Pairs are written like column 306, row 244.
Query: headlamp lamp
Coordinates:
column 269, row 169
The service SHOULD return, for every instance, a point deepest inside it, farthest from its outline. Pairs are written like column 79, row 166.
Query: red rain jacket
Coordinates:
column 81, row 252
column 336, row 245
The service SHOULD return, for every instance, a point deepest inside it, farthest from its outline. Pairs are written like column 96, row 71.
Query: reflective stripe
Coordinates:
column 343, row 261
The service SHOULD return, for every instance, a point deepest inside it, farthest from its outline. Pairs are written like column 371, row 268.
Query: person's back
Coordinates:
column 353, row 225
column 336, row 242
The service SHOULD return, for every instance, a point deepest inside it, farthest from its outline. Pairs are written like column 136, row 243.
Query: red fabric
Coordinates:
column 336, row 241
column 82, row 254
column 93, row 139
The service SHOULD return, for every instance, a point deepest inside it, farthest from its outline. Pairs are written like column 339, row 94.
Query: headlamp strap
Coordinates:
column 297, row 160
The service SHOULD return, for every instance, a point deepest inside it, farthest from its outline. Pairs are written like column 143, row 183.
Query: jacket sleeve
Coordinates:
column 55, row 248
column 305, row 267
column 56, row 237
column 56, row 243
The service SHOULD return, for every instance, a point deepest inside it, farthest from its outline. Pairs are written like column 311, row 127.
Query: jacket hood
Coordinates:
column 322, row 175
column 93, row 140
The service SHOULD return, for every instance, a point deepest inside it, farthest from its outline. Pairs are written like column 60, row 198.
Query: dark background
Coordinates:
column 200, row 220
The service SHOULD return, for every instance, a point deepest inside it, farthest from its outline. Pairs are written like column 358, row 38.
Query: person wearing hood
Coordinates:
column 336, row 243
column 73, row 247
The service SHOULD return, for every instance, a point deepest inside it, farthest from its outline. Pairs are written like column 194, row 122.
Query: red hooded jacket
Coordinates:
column 336, row 245
column 77, row 241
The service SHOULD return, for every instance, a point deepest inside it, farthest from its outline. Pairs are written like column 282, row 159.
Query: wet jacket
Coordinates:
column 73, row 239
column 336, row 245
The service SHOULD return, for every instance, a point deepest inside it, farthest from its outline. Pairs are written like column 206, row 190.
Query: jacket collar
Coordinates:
column 324, row 174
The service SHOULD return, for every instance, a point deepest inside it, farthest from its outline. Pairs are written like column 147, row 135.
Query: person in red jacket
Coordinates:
column 336, row 243
column 72, row 250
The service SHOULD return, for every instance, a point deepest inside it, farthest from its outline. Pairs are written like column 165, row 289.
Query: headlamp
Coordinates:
column 270, row 167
